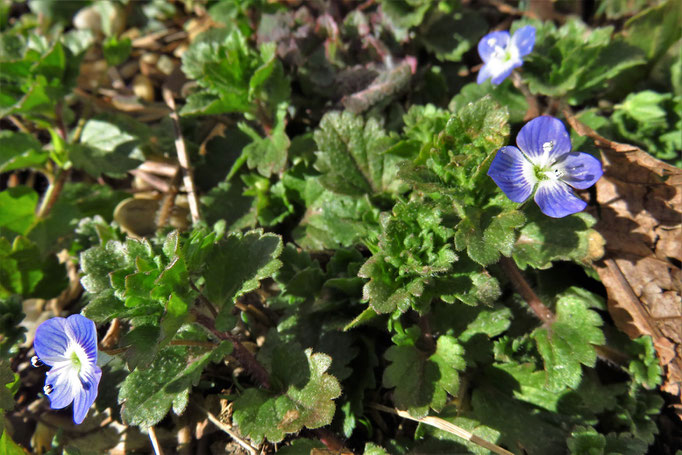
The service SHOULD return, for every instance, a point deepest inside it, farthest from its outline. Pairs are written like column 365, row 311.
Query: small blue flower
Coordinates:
column 545, row 164
column 69, row 346
column 501, row 53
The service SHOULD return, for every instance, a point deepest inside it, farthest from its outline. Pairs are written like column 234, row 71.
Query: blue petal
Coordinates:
column 483, row 74
column 84, row 332
column 65, row 385
column 581, row 170
column 540, row 131
column 556, row 199
column 512, row 172
column 86, row 396
column 487, row 45
column 51, row 341
column 524, row 40
column 505, row 72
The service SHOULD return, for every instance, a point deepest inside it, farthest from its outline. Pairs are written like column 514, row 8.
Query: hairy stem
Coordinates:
column 523, row 288
column 243, row 355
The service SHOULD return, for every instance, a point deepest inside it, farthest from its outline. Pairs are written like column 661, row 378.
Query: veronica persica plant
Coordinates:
column 501, row 53
column 544, row 163
column 69, row 346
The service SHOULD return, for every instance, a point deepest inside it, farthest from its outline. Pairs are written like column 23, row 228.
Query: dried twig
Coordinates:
column 183, row 156
column 445, row 426
column 242, row 442
column 155, row 442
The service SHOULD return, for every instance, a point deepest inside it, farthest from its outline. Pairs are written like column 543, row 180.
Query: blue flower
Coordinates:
column 501, row 53
column 69, row 346
column 545, row 164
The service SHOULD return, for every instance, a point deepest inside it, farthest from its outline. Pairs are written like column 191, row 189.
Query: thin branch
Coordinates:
column 183, row 156
column 155, row 442
column 245, row 358
column 445, row 426
column 523, row 288
column 242, row 442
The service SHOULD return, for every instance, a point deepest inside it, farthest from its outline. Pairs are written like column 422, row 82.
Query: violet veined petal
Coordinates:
column 504, row 71
column 580, row 170
column 556, row 199
column 84, row 332
column 51, row 341
column 491, row 41
column 544, row 139
column 64, row 386
column 524, row 40
column 87, row 394
column 513, row 173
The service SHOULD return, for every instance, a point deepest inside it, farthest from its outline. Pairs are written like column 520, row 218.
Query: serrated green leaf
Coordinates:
column 544, row 239
column 644, row 367
column 268, row 154
column 237, row 263
column 351, row 155
column 374, row 449
column 260, row 414
column 505, row 94
column 11, row 330
column 486, row 235
column 147, row 395
column 422, row 381
column 568, row 343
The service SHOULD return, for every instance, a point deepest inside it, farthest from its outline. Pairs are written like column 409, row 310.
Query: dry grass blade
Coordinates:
column 155, row 442
column 248, row 447
column 446, row 426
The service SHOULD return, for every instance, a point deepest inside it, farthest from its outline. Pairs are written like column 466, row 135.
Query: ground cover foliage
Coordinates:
column 279, row 217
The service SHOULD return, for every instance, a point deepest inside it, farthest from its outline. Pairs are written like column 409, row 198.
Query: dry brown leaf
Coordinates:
column 640, row 216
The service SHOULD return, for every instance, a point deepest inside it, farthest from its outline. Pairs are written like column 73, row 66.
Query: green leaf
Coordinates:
column 654, row 30
column 11, row 330
column 116, row 51
column 237, row 263
column 587, row 441
column 18, row 209
column 405, row 13
column 644, row 367
column 20, row 150
column 308, row 403
column 574, row 61
column 373, row 449
column 568, row 342
column 334, row 220
column 147, row 395
column 505, row 94
column 544, row 239
column 8, row 446
column 422, row 381
column 486, row 235
column 107, row 148
column 449, row 35
column 24, row 271
column 268, row 154
column 415, row 251
column 351, row 155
